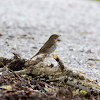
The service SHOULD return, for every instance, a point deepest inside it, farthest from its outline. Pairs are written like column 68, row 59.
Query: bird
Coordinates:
column 49, row 46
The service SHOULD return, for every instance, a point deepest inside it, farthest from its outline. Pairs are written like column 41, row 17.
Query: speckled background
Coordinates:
column 26, row 24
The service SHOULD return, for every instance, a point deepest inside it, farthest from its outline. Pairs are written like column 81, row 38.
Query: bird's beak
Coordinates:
column 58, row 38
column 59, row 35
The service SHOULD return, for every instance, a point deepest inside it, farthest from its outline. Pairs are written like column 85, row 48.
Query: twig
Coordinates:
column 93, row 59
column 59, row 62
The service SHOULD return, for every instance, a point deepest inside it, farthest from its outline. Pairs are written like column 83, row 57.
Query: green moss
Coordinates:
column 83, row 92
column 97, row 0
column 8, row 87
column 75, row 92
column 59, row 84
column 84, row 98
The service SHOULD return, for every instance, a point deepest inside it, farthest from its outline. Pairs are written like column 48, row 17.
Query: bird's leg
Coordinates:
column 49, row 59
column 46, row 58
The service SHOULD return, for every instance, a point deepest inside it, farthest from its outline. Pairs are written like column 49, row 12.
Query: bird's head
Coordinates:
column 54, row 37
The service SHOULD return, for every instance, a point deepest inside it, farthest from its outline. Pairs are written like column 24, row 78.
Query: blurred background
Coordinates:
column 25, row 25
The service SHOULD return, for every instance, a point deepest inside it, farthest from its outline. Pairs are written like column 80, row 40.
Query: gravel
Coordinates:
column 26, row 24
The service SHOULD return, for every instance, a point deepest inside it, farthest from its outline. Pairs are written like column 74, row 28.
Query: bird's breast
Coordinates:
column 51, row 49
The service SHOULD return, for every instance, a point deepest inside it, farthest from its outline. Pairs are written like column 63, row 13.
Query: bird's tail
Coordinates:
column 35, row 55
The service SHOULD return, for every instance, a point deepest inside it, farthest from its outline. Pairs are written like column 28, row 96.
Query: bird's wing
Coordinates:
column 46, row 46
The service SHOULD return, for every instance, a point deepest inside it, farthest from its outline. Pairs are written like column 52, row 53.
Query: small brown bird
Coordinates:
column 49, row 46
